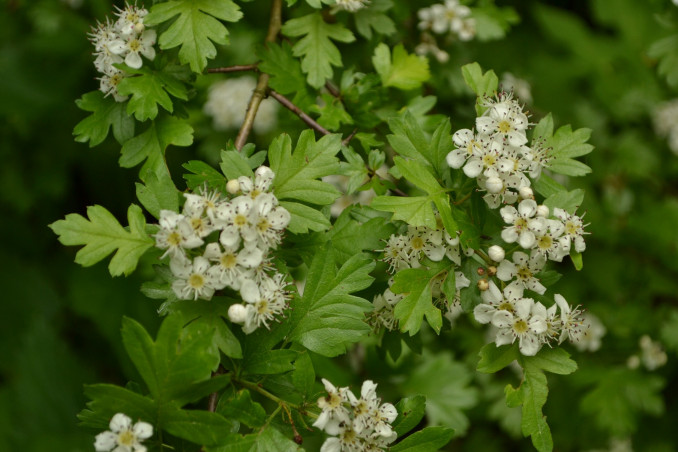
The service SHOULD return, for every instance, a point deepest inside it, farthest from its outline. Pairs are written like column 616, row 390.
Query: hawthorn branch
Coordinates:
column 236, row 68
column 274, row 25
column 299, row 112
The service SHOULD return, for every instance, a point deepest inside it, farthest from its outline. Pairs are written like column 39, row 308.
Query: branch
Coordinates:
column 299, row 112
column 237, row 68
column 348, row 139
column 274, row 25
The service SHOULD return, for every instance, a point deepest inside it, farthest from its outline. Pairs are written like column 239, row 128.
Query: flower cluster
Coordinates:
column 247, row 226
column 497, row 154
column 665, row 118
column 408, row 251
column 357, row 424
column 123, row 41
column 517, row 317
column 449, row 17
column 123, row 436
column 350, row 5
column 227, row 102
column 652, row 355
column 530, row 226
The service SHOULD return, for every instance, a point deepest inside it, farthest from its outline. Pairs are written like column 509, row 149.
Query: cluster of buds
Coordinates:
column 356, row 424
column 518, row 317
column 497, row 154
column 122, row 41
column 220, row 242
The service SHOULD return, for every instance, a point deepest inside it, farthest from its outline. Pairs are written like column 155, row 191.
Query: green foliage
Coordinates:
column 410, row 412
column 106, row 114
column 374, row 18
column 482, row 84
column 400, row 70
column 566, row 144
column 316, row 48
column 102, row 234
column 148, row 90
column 328, row 318
column 430, row 438
column 196, row 28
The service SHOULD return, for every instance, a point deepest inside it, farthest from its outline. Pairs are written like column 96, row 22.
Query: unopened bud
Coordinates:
column 233, row 186
column 494, row 185
column 542, row 211
column 480, row 271
column 496, row 253
column 483, row 285
column 237, row 313
column 139, row 27
column 526, row 193
column 491, row 270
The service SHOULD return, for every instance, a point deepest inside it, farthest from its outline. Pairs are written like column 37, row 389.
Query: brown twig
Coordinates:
column 299, row 112
column 348, row 139
column 332, row 90
column 274, row 26
column 236, row 68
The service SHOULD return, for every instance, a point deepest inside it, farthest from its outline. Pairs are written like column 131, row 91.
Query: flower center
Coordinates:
column 504, row 126
column 524, row 273
column 545, row 242
column 254, row 193
column 228, row 260
column 134, row 45
column 263, row 225
column 520, row 224
column 174, row 239
column 571, row 228
column 126, row 438
column 262, row 307
column 417, row 243
column 196, row 281
column 520, row 326
column 240, row 220
column 505, row 306
column 489, row 160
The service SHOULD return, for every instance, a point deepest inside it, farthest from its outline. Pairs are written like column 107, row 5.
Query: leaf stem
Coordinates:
column 257, row 388
column 236, row 68
column 461, row 201
column 274, row 26
column 299, row 112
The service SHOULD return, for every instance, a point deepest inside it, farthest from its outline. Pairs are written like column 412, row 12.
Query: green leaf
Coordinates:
column 426, row 440
column 543, row 131
column 305, row 218
column 532, row 395
column 328, row 318
column 303, row 376
column 555, row 360
column 566, row 200
column 350, row 237
column 546, row 186
column 411, row 410
column 270, row 362
column 152, row 143
column 373, row 18
column 200, row 427
column 415, row 210
column 316, row 48
column 569, row 167
column 482, row 84
column 148, row 90
column 158, row 194
column 296, row 173
column 242, row 408
column 403, row 71
column 332, row 112
column 409, row 140
column 577, row 260
column 410, row 311
column 106, row 114
column 201, row 174
column 567, row 144
column 106, row 400
column 493, row 358
column 175, row 365
column 234, row 164
column 666, row 51
column 195, row 29
column 285, row 70
column 102, row 234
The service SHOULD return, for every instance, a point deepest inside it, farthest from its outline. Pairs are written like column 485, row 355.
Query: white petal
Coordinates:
column 250, row 257
column 105, row 441
column 506, row 270
column 455, row 159
column 120, row 422
column 509, row 235
column 504, row 337
column 529, row 345
column 143, row 430
column 462, row 137
column 249, row 291
column 483, row 313
column 133, row 60
column 473, row 167
column 527, row 208
column 526, row 239
column 502, row 319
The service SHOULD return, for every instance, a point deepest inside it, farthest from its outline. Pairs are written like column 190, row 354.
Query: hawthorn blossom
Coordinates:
column 123, row 436
column 519, row 219
column 523, row 268
column 522, row 324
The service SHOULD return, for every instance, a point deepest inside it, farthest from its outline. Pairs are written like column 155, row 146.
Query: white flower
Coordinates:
column 397, row 252
column 547, row 235
column 524, row 325
column 193, row 279
column 571, row 321
column 350, row 5
column 651, row 353
column 426, row 241
column 382, row 314
column 176, row 234
column 270, row 221
column 134, row 46
column 521, row 88
column 234, row 265
column 505, row 118
column 130, row 20
column 444, row 18
column 523, row 268
column 588, row 336
column 574, row 228
column 123, row 436
column 519, row 219
column 108, row 84
column 237, row 220
column 495, row 301
column 264, row 301
column 467, row 144
column 227, row 102
column 333, row 411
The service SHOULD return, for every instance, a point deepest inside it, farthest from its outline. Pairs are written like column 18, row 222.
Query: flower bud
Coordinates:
column 542, row 211
column 491, row 270
column 139, row 27
column 526, row 193
column 233, row 186
column 480, row 271
column 494, row 185
column 496, row 253
column 237, row 313
column 483, row 285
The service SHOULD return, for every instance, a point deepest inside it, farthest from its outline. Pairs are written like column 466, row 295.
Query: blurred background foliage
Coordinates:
column 603, row 64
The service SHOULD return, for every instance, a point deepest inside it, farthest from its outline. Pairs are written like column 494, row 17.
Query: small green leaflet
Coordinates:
column 148, row 90
column 332, row 112
column 102, row 234
column 411, row 410
column 373, row 18
column 316, row 48
column 566, row 200
column 195, row 29
column 296, row 175
column 482, row 84
column 328, row 318
column 108, row 399
column 418, row 303
column 666, row 51
column 152, row 143
column 566, row 144
column 285, row 70
column 158, row 194
column 106, row 114
column 428, row 439
column 403, row 71
column 201, row 173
